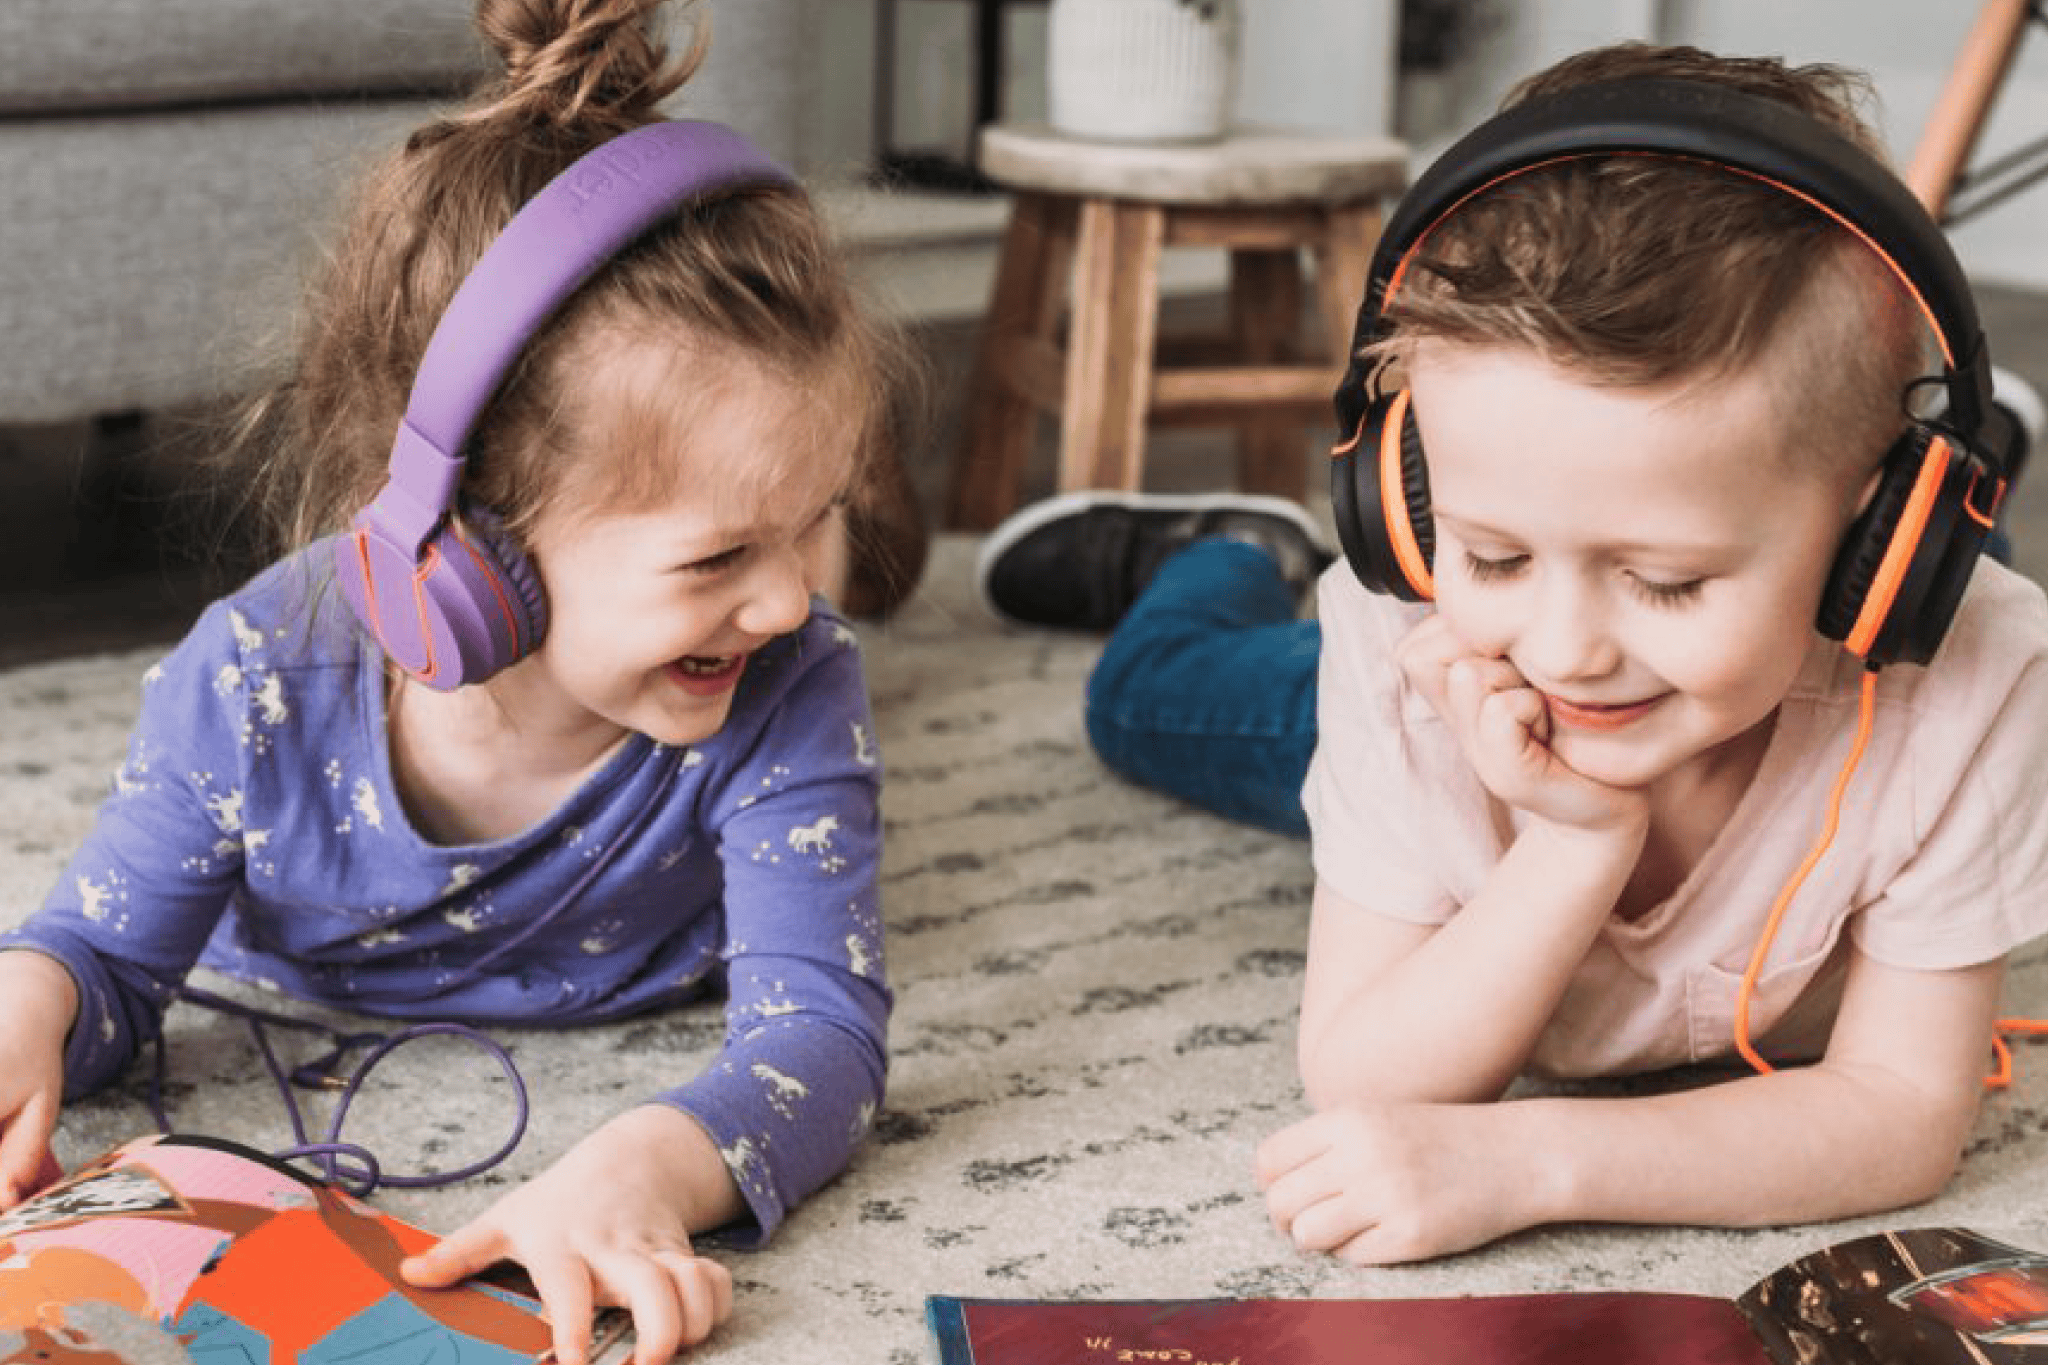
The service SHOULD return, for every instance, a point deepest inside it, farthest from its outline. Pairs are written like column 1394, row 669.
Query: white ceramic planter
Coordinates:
column 1142, row 70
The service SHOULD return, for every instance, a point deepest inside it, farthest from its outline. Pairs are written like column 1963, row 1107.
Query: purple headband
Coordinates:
column 580, row 220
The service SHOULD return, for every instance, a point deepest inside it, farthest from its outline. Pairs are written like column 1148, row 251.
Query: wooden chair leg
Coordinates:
column 1110, row 344
column 1025, row 305
column 1265, row 324
column 1965, row 102
column 1343, row 256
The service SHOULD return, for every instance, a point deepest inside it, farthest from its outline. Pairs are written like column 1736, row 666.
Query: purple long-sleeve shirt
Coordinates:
column 254, row 828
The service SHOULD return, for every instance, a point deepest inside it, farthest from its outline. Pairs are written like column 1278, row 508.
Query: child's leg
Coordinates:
column 1206, row 689
column 1207, row 686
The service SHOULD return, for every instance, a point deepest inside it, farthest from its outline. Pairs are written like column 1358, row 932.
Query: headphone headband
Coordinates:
column 581, row 219
column 454, row 604
column 1720, row 127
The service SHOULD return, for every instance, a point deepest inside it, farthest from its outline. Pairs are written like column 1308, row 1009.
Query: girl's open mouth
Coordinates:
column 1597, row 716
column 706, row 675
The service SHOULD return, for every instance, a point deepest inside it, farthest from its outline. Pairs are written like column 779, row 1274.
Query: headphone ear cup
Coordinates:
column 1906, row 559
column 1381, row 503
column 1417, row 525
column 468, row 606
column 1868, row 540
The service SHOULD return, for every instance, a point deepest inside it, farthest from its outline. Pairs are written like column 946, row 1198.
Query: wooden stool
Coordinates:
column 1088, row 224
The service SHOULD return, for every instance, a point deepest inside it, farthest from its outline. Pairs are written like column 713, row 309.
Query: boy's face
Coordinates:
column 653, row 611
column 1647, row 559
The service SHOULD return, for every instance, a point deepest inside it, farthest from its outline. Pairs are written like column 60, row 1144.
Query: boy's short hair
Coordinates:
column 1646, row 271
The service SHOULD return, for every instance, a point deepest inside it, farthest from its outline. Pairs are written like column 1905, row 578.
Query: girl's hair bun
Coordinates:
column 572, row 61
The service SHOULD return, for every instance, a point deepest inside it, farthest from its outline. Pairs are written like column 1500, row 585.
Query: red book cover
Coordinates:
column 1922, row 1296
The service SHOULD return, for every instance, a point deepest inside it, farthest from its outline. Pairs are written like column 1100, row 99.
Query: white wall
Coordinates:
column 1307, row 63
column 1326, row 64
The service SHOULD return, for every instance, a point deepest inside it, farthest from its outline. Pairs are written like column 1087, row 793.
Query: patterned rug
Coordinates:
column 1096, row 990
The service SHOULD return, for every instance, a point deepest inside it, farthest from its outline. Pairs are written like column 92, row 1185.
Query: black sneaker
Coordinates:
column 1078, row 561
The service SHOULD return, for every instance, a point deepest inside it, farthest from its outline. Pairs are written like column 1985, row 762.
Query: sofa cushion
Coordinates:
column 145, row 261
column 59, row 56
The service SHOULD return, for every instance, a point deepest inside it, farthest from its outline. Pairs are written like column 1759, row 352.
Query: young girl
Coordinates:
column 1565, row 815
column 671, row 788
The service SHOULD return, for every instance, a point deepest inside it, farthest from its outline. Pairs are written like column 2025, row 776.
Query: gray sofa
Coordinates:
column 168, row 166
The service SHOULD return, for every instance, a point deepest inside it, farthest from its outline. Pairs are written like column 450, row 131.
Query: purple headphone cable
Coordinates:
column 322, row 1073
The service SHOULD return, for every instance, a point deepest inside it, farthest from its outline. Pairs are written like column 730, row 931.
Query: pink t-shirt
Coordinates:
column 1941, row 859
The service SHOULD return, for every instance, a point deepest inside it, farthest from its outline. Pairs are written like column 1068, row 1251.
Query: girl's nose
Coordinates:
column 778, row 595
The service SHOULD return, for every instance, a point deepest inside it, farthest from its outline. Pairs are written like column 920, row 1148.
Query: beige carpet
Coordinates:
column 1096, row 990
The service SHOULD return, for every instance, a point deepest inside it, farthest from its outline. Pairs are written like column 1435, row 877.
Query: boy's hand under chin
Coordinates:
column 609, row 1225
column 1503, row 728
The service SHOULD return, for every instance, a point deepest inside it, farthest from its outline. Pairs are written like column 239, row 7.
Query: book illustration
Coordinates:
column 175, row 1249
column 1944, row 1296
column 1925, row 1296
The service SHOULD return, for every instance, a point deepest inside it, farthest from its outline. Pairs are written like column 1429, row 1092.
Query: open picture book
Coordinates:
column 175, row 1249
column 1925, row 1296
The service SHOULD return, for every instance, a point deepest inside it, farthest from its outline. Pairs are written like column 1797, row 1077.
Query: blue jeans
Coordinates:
column 1206, row 689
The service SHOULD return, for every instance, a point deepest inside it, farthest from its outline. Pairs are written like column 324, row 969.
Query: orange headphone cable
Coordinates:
column 1866, row 709
column 2001, row 1075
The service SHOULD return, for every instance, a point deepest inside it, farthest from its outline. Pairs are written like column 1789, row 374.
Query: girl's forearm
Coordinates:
column 1456, row 1019
column 41, row 986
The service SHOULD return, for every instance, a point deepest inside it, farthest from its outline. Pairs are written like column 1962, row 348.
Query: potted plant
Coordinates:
column 1142, row 70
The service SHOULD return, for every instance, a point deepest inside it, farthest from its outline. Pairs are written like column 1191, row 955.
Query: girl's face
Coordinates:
column 1650, row 561
column 653, row 611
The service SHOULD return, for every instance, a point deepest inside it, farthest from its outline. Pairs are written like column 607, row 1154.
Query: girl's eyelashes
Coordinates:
column 712, row 564
column 726, row 558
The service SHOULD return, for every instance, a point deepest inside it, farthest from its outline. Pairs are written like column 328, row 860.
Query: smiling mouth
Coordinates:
column 1579, row 715
column 707, row 674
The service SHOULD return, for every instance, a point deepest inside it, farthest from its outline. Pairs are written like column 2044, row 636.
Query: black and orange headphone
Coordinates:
column 1902, row 567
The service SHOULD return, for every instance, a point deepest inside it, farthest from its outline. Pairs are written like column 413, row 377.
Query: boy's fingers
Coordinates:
column 1281, row 1152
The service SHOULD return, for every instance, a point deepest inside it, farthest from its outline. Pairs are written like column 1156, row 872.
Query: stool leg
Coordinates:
column 1265, row 323
column 1109, row 345
column 1024, row 309
column 1343, row 257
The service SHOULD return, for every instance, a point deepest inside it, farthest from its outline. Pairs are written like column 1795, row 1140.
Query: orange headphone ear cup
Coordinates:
column 1903, row 565
column 1379, row 497
column 1868, row 540
column 1411, row 522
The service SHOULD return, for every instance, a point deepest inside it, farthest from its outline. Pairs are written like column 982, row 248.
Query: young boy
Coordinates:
column 1564, row 812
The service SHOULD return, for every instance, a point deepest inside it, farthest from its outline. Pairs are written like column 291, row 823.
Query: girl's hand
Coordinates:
column 1376, row 1183
column 609, row 1224
column 1503, row 727
column 39, row 1003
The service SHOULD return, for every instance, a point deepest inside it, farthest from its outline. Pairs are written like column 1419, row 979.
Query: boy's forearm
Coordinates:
column 1794, row 1146
column 1456, row 1019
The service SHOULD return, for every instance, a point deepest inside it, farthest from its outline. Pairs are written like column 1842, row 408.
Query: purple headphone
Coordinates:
column 450, row 603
